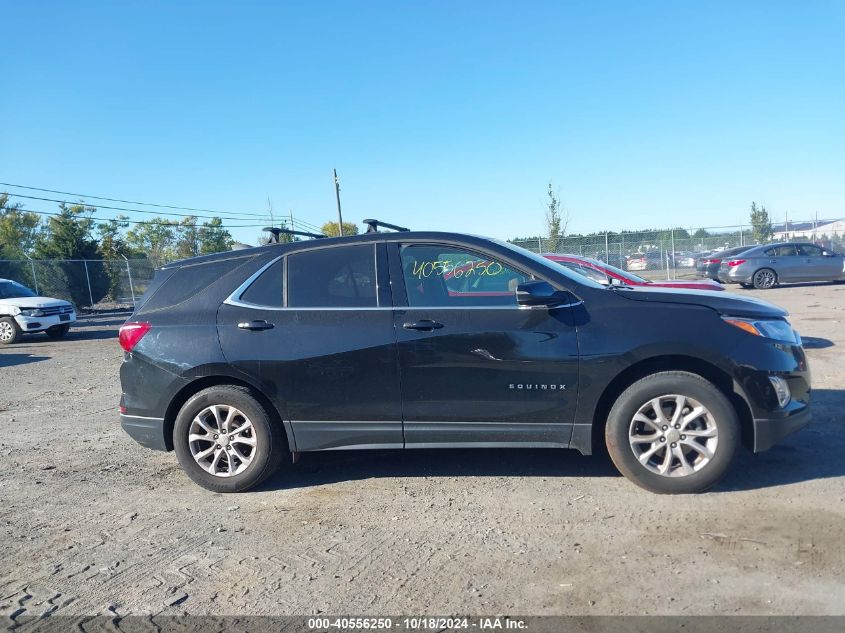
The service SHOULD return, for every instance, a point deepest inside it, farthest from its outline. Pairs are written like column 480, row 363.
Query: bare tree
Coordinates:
column 557, row 218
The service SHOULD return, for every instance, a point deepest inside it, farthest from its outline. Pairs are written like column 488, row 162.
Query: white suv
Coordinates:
column 22, row 312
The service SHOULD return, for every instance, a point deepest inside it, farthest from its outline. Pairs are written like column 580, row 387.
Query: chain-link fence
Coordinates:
column 93, row 284
column 675, row 253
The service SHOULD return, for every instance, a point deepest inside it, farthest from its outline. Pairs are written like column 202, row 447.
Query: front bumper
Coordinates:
column 39, row 324
column 147, row 432
column 768, row 432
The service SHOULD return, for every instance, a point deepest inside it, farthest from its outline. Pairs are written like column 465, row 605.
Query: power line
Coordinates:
column 301, row 223
column 146, row 204
column 175, row 225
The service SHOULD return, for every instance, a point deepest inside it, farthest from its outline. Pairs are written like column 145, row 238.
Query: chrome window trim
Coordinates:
column 234, row 299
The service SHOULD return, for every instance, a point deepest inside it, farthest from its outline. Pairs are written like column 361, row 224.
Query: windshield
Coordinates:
column 13, row 290
column 618, row 271
column 547, row 263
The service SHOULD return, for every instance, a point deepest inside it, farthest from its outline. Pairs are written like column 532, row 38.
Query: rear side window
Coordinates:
column 267, row 289
column 341, row 277
column 781, row 251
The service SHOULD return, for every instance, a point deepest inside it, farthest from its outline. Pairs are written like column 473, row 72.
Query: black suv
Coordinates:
column 239, row 361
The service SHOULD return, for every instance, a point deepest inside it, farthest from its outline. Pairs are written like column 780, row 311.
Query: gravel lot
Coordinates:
column 94, row 523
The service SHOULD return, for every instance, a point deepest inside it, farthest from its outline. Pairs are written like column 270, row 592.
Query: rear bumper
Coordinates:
column 148, row 432
column 768, row 432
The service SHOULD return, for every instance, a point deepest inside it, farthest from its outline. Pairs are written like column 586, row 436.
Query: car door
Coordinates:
column 314, row 331
column 476, row 369
column 784, row 261
column 816, row 266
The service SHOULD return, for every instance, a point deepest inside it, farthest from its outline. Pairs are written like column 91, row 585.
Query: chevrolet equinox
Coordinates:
column 240, row 361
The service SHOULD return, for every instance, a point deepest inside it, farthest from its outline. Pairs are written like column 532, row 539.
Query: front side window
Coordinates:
column 450, row 276
column 808, row 250
column 340, row 277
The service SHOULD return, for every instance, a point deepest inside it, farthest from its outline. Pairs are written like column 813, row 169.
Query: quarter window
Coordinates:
column 340, row 277
column 447, row 276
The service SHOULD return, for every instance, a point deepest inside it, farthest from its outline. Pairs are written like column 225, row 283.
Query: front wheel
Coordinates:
column 672, row 432
column 226, row 441
column 9, row 331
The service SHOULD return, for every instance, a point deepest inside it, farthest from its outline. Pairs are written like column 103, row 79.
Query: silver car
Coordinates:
column 771, row 264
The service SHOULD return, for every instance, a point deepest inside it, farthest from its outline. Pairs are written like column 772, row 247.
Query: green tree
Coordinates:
column 69, row 236
column 153, row 239
column 113, row 247
column 330, row 229
column 761, row 225
column 187, row 238
column 214, row 238
column 18, row 232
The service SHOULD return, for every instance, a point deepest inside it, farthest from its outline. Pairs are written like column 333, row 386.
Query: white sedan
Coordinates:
column 23, row 312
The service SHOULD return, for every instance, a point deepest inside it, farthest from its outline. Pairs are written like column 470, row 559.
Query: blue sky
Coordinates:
column 437, row 115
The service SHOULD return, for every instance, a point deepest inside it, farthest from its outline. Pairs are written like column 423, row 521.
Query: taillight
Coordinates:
column 736, row 262
column 131, row 333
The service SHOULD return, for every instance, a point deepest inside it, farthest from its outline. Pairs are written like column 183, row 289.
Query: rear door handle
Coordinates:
column 423, row 325
column 255, row 325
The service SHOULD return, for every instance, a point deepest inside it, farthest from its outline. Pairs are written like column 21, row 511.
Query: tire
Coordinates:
column 9, row 331
column 717, row 433
column 764, row 279
column 747, row 285
column 57, row 331
column 262, row 443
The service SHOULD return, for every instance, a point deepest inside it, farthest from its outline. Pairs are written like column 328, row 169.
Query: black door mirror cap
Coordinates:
column 541, row 294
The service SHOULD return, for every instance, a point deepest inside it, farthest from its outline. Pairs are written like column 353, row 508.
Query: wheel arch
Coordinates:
column 710, row 372
column 204, row 382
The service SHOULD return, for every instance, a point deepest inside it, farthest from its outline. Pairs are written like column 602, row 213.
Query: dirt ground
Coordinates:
column 94, row 523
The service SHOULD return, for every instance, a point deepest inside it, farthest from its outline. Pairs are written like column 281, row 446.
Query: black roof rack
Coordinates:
column 276, row 232
column 372, row 226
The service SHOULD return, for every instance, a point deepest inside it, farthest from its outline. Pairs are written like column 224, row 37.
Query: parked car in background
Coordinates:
column 684, row 259
column 708, row 265
column 239, row 361
column 605, row 273
column 24, row 312
column 771, row 264
column 648, row 260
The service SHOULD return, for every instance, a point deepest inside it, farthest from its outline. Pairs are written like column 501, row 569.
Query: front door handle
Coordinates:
column 423, row 325
column 255, row 325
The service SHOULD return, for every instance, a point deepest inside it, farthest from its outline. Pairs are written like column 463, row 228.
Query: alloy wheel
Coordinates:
column 7, row 331
column 673, row 435
column 764, row 279
column 222, row 440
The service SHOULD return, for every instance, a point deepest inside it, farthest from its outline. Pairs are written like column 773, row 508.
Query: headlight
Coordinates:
column 769, row 328
column 32, row 312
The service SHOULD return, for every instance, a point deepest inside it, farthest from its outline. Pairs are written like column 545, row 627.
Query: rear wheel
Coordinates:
column 226, row 441
column 57, row 331
column 672, row 432
column 765, row 278
column 9, row 331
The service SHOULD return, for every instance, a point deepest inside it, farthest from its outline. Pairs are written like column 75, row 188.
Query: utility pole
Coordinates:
column 337, row 194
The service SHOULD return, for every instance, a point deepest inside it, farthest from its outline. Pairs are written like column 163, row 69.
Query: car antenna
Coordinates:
column 276, row 232
column 373, row 225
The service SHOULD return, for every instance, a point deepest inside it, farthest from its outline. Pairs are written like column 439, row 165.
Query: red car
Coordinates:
column 603, row 273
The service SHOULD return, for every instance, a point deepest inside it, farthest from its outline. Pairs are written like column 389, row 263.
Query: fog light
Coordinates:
column 781, row 390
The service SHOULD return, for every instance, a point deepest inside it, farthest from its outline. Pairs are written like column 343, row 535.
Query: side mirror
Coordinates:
column 540, row 294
